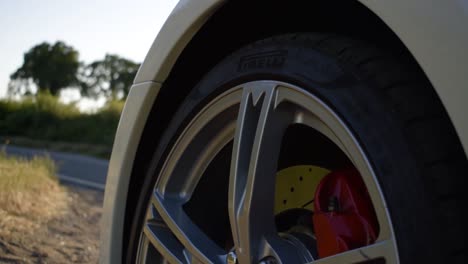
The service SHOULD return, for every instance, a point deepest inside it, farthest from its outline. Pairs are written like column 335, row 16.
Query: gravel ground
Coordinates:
column 70, row 238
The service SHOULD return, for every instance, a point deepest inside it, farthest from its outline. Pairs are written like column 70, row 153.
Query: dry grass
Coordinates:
column 42, row 222
column 29, row 194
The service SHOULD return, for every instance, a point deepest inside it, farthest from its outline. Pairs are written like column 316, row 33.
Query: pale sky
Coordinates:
column 93, row 27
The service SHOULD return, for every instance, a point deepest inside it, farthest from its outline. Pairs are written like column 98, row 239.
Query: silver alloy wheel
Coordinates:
column 254, row 116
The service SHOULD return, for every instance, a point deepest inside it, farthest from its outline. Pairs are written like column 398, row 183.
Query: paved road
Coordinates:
column 72, row 168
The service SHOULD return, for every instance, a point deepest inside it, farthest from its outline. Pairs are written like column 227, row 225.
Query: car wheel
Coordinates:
column 304, row 148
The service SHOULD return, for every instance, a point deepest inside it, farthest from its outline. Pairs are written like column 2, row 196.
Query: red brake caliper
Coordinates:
column 344, row 217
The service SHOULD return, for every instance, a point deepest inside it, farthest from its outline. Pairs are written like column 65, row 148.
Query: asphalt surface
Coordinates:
column 72, row 168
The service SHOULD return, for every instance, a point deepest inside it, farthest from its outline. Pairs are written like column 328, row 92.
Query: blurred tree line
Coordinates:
column 42, row 121
column 53, row 67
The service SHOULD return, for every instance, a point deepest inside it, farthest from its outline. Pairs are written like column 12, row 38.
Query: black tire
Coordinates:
column 393, row 111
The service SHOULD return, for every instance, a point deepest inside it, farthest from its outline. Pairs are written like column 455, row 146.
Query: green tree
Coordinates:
column 49, row 67
column 111, row 77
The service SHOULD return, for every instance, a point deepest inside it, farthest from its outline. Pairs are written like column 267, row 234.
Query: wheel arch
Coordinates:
column 430, row 34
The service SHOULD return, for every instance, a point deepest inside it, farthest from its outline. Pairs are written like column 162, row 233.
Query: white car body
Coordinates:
column 434, row 31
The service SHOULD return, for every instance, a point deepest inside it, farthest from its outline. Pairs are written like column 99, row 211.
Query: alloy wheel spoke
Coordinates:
column 254, row 117
column 379, row 252
column 160, row 237
column 187, row 240
column 260, row 127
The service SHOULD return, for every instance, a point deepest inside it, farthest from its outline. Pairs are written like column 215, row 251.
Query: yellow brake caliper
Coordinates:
column 296, row 185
